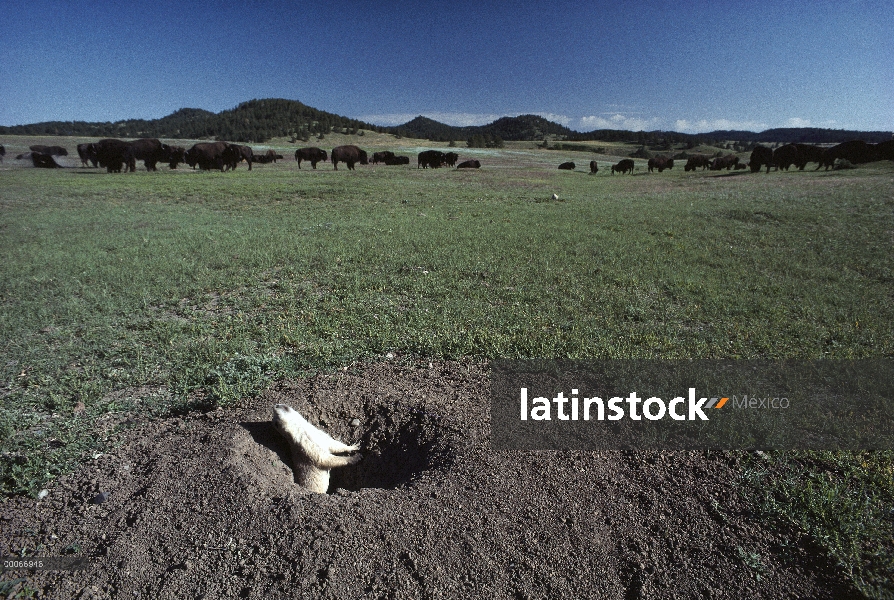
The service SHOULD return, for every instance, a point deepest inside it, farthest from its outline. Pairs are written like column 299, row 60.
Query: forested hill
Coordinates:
column 534, row 128
column 524, row 127
column 253, row 121
column 259, row 120
column 798, row 135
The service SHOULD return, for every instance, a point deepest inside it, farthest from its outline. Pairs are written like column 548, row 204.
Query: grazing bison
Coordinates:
column 381, row 157
column 809, row 153
column 594, row 166
column 247, row 154
column 397, row 160
column 207, row 155
column 177, row 156
column 114, row 154
column 567, row 166
column 725, row 162
column 786, row 156
column 151, row 151
column 469, row 164
column 348, row 155
column 856, row 152
column 312, row 154
column 760, row 156
column 431, row 158
column 740, row 166
column 2, row 152
column 43, row 161
column 697, row 161
column 87, row 154
column 883, row 150
column 623, row 166
column 450, row 158
column 661, row 163
column 51, row 150
column 235, row 154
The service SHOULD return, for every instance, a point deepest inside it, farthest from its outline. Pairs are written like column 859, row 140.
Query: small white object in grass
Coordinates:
column 43, row 494
column 389, row 356
column 555, row 196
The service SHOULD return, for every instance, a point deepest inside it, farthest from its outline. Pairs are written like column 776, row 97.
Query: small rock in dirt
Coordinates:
column 355, row 423
column 43, row 494
column 100, row 498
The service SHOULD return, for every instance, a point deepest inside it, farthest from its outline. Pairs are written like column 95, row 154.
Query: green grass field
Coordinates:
column 158, row 292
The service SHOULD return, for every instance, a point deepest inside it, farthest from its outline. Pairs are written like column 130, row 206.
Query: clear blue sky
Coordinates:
column 686, row 66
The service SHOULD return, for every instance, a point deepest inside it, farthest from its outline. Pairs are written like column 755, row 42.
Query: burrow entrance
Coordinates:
column 398, row 445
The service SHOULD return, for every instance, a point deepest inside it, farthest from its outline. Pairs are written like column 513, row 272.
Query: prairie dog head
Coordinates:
column 288, row 421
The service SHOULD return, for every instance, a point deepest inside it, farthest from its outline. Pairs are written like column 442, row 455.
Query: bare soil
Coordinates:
column 205, row 506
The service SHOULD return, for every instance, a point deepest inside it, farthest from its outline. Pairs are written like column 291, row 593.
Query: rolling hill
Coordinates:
column 260, row 120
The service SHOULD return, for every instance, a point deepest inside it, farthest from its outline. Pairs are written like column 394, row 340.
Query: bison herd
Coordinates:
column 117, row 155
column 798, row 155
column 782, row 158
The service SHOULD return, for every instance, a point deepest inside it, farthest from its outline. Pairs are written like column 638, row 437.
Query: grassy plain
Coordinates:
column 159, row 292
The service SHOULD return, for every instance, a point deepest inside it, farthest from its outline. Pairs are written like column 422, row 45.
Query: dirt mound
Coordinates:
column 205, row 506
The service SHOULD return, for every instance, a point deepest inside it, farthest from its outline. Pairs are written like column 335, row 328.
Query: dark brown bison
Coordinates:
column 697, row 161
column 786, row 156
column 725, row 162
column 51, row 150
column 114, row 155
column 450, row 159
column 661, row 163
column 594, row 166
column 87, row 154
column 151, row 151
column 177, row 156
column 397, row 160
column 207, row 155
column 312, row 154
column 272, row 156
column 469, row 164
column 883, row 150
column 381, row 157
column 349, row 155
column 567, row 166
column 623, row 166
column 235, row 154
column 431, row 158
column 760, row 156
column 2, row 152
column 740, row 166
column 238, row 153
column 43, row 161
column 809, row 153
column 856, row 152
